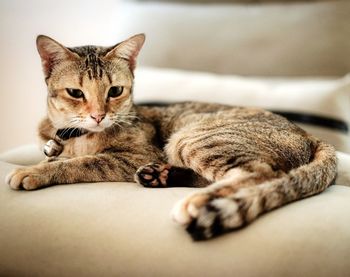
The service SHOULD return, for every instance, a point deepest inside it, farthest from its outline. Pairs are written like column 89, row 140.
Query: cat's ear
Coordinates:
column 128, row 50
column 51, row 53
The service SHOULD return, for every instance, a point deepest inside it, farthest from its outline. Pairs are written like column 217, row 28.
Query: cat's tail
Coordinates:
column 301, row 182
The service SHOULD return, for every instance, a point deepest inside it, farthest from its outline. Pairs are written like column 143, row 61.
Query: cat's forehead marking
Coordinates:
column 92, row 64
column 94, row 67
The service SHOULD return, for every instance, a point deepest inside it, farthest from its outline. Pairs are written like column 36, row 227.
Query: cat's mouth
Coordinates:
column 95, row 129
column 93, row 126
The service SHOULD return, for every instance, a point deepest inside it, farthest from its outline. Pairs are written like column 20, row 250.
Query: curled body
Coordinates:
column 244, row 161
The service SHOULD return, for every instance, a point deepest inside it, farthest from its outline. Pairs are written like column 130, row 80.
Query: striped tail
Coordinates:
column 301, row 182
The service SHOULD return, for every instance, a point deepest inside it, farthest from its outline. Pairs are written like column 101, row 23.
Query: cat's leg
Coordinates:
column 242, row 196
column 92, row 168
column 158, row 175
column 227, row 204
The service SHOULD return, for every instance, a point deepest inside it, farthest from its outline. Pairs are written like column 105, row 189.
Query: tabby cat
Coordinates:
column 249, row 160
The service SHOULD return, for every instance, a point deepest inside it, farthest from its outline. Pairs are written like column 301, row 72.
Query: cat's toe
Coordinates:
column 215, row 218
column 185, row 210
column 180, row 214
column 152, row 175
column 23, row 178
column 206, row 225
column 31, row 183
column 13, row 180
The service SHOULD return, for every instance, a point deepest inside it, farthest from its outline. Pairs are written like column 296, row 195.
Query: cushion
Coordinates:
column 285, row 39
column 321, row 106
column 123, row 229
column 23, row 155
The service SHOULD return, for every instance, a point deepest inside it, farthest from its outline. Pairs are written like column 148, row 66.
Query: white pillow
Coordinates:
column 322, row 105
column 308, row 38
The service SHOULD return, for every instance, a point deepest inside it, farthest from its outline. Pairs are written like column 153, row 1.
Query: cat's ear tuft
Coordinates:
column 128, row 50
column 51, row 53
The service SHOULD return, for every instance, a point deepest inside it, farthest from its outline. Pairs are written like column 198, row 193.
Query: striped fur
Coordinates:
column 248, row 161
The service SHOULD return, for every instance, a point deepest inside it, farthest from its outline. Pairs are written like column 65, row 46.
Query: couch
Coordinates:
column 123, row 229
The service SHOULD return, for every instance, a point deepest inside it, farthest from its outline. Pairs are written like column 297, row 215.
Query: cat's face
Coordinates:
column 89, row 87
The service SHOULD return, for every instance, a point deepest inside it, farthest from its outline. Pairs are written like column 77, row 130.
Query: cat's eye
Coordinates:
column 75, row 93
column 115, row 91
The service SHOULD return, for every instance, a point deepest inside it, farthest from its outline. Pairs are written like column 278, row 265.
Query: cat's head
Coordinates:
column 89, row 87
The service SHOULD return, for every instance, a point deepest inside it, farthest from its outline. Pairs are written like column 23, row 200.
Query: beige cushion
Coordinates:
column 320, row 97
column 123, row 229
column 296, row 39
column 23, row 155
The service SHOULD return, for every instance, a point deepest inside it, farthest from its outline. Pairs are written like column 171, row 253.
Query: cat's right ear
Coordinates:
column 128, row 50
column 51, row 53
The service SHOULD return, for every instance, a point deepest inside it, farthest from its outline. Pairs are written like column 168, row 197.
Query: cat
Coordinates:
column 244, row 161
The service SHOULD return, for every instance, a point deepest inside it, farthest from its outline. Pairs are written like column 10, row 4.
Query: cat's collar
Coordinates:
column 68, row 133
column 54, row 147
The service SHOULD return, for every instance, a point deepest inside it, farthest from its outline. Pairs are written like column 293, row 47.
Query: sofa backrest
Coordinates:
column 248, row 37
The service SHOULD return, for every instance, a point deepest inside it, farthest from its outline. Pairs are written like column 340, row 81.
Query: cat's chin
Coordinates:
column 96, row 129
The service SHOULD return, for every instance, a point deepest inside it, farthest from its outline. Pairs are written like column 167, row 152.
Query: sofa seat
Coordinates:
column 123, row 229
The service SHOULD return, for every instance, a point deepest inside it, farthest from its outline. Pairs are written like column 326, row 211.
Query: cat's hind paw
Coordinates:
column 153, row 175
column 215, row 218
column 205, row 216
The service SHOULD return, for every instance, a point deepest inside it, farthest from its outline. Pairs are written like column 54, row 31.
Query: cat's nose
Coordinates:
column 98, row 117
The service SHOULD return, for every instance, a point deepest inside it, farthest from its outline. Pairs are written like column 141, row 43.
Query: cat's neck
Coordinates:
column 48, row 131
column 67, row 133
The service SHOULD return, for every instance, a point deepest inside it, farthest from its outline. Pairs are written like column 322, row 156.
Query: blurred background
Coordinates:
column 267, row 38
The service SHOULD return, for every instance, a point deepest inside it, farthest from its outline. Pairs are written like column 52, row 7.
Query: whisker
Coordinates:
column 124, row 118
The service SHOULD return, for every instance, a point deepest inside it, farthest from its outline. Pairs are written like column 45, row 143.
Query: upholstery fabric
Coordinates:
column 327, row 98
column 296, row 39
column 123, row 229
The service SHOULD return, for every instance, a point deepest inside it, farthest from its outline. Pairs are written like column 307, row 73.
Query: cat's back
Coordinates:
column 219, row 132
column 200, row 116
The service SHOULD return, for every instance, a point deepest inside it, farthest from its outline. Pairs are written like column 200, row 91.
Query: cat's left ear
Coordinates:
column 52, row 53
column 128, row 50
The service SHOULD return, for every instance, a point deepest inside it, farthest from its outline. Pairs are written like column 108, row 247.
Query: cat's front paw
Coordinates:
column 153, row 175
column 206, row 216
column 28, row 178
